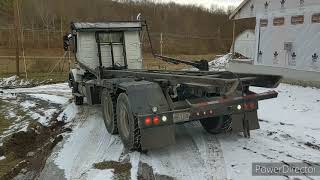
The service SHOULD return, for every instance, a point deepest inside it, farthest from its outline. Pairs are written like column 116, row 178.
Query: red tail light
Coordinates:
column 147, row 121
column 156, row 120
column 252, row 105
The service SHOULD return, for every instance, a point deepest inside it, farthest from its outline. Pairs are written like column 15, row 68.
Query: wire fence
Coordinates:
column 43, row 48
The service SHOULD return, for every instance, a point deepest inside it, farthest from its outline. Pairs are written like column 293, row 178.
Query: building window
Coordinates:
column 297, row 19
column 316, row 18
column 263, row 22
column 279, row 21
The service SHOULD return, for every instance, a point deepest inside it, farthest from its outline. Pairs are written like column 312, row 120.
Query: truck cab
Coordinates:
column 112, row 45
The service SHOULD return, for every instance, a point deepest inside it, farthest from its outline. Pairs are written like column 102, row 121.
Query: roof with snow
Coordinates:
column 114, row 25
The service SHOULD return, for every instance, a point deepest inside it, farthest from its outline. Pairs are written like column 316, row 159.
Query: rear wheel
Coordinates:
column 217, row 125
column 127, row 124
column 109, row 111
column 71, row 80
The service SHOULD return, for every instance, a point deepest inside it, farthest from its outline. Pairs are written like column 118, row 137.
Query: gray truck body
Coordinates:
column 109, row 64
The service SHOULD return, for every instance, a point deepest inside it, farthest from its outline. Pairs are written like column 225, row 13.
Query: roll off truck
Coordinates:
column 143, row 106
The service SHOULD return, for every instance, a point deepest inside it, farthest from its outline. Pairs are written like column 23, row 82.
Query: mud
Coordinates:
column 30, row 149
column 145, row 172
column 121, row 170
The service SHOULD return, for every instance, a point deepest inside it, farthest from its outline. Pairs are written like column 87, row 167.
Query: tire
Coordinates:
column 217, row 125
column 71, row 80
column 127, row 124
column 78, row 100
column 109, row 112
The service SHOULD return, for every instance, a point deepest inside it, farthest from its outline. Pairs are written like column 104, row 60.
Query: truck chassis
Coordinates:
column 143, row 106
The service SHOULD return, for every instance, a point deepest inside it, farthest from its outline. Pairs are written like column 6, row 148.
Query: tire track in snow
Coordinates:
column 89, row 143
column 210, row 150
column 194, row 156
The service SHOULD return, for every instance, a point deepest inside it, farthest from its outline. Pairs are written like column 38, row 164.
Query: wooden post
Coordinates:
column 33, row 39
column 219, row 38
column 17, row 34
column 161, row 43
column 233, row 37
column 48, row 36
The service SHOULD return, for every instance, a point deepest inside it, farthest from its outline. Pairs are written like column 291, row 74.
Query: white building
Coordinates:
column 287, row 33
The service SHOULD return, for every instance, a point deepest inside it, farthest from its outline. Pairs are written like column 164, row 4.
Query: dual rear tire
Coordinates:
column 109, row 112
column 217, row 125
column 119, row 118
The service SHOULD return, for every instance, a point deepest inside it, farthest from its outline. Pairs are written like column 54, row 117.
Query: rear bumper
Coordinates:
column 214, row 108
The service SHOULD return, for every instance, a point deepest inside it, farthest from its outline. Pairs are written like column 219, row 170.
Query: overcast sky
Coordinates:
column 207, row 3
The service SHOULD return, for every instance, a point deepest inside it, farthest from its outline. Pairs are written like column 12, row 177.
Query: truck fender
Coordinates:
column 77, row 75
column 143, row 95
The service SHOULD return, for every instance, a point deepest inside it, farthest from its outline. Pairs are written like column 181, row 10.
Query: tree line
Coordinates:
column 184, row 27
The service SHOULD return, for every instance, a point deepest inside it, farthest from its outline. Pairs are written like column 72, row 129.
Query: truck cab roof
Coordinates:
column 103, row 26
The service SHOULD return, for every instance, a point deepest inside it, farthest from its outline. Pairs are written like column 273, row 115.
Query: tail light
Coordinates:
column 250, row 106
column 148, row 121
column 156, row 120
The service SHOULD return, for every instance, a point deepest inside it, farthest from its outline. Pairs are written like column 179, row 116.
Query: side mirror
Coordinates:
column 66, row 41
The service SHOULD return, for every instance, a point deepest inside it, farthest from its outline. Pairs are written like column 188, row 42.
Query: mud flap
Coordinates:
column 251, row 117
column 153, row 138
column 143, row 96
column 92, row 93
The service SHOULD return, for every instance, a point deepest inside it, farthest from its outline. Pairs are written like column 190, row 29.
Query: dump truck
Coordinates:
column 143, row 106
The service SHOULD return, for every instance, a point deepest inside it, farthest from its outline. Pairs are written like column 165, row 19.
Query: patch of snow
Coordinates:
column 20, row 126
column 52, row 98
column 96, row 174
column 28, row 104
column 44, row 120
column 11, row 114
column 220, row 62
column 68, row 113
column 8, row 96
column 134, row 160
column 2, row 158
column 89, row 143
column 13, row 81
column 8, row 81
column 25, row 128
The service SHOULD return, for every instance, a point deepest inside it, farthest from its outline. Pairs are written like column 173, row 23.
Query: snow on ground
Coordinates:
column 13, row 81
column 28, row 104
column 100, row 174
column 68, row 113
column 89, row 143
column 45, row 118
column 52, row 98
column 288, row 124
column 290, row 132
column 38, row 104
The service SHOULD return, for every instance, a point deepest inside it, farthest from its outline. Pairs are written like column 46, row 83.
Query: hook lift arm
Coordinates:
column 202, row 65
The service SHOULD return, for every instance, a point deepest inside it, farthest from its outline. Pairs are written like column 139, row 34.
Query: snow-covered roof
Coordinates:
column 120, row 25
